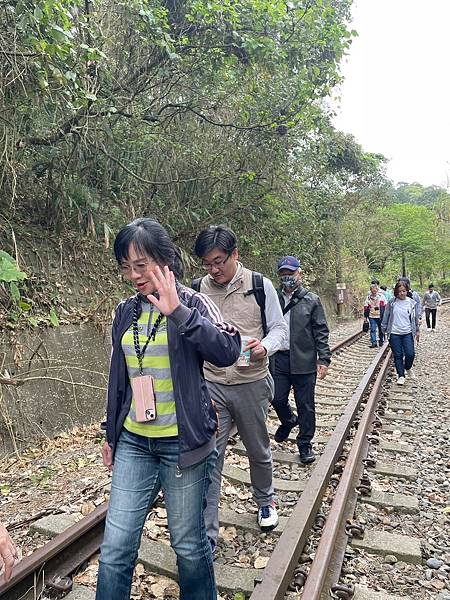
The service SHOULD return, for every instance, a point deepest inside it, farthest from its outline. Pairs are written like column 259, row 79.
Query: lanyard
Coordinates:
column 152, row 335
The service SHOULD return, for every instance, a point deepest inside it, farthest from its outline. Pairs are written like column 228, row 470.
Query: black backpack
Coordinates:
column 257, row 290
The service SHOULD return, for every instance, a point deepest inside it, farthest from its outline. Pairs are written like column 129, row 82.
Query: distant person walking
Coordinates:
column 401, row 326
column 430, row 302
column 373, row 312
column 388, row 295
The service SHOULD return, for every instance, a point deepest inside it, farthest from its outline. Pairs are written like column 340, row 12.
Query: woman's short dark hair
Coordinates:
column 215, row 236
column 150, row 237
column 398, row 285
column 431, row 285
column 405, row 280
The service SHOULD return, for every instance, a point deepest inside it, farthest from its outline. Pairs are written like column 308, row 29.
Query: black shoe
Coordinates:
column 283, row 431
column 372, row 346
column 307, row 455
column 380, row 344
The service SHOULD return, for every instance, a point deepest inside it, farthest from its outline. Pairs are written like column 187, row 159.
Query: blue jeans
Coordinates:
column 403, row 351
column 142, row 466
column 375, row 323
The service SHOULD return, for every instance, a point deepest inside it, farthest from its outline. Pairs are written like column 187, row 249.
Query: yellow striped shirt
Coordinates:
column 156, row 363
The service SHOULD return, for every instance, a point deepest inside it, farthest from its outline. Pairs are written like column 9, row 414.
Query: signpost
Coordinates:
column 341, row 297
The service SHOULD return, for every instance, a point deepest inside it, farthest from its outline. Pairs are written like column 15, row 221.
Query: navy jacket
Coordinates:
column 195, row 333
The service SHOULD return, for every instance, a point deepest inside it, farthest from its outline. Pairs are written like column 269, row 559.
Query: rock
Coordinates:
column 304, row 558
column 390, row 559
column 434, row 563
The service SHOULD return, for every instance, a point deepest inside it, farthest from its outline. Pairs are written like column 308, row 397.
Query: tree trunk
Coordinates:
column 339, row 275
column 403, row 264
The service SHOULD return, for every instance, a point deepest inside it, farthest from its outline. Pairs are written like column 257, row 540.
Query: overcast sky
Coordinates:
column 396, row 96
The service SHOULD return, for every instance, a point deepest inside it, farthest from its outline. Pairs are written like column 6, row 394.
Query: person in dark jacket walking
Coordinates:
column 431, row 301
column 305, row 356
column 161, row 425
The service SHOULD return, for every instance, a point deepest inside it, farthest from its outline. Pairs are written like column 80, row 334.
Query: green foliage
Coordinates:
column 197, row 112
column 42, row 478
column 9, row 271
column 54, row 321
column 415, row 193
column 443, row 286
column 10, row 274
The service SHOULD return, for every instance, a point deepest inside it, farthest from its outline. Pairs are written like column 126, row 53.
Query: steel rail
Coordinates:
column 318, row 572
column 278, row 573
column 58, row 558
column 338, row 347
column 347, row 342
column 67, row 551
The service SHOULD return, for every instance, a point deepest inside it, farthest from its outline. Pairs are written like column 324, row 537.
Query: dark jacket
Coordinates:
column 308, row 333
column 195, row 333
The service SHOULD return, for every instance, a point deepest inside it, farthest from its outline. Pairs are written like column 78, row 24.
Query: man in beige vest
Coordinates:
column 241, row 393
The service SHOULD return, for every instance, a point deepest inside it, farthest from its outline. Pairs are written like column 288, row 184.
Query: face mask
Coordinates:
column 289, row 282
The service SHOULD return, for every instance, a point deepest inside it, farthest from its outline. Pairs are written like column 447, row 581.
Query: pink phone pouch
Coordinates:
column 144, row 398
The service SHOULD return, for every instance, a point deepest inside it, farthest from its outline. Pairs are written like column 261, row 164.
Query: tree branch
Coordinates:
column 148, row 181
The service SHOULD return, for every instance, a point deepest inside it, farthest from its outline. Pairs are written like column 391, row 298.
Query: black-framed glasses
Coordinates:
column 215, row 263
column 139, row 266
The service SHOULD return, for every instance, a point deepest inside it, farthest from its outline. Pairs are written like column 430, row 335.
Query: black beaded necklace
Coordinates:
column 152, row 335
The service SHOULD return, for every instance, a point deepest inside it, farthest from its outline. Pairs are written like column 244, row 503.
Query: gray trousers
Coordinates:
column 245, row 405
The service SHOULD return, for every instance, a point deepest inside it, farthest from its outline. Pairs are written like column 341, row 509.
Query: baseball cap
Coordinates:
column 288, row 262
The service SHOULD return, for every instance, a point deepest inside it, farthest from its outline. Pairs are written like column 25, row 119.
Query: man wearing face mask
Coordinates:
column 305, row 356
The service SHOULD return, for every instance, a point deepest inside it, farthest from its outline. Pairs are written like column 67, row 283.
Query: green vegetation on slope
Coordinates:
column 193, row 112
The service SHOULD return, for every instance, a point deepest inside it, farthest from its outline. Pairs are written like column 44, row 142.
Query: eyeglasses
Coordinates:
column 215, row 263
column 139, row 267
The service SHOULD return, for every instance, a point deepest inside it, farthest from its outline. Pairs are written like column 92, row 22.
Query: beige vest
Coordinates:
column 244, row 313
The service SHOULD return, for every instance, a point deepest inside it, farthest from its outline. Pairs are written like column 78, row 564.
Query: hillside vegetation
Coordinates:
column 193, row 112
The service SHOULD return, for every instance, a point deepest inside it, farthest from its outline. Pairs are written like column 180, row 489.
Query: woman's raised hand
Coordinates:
column 165, row 285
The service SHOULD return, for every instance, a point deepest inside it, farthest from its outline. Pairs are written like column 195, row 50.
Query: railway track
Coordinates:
column 317, row 502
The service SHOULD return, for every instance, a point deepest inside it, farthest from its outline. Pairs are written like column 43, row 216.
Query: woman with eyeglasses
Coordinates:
column 160, row 427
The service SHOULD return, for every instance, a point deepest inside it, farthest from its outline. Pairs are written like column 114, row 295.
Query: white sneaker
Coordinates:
column 267, row 517
column 428, row 328
column 410, row 374
column 401, row 381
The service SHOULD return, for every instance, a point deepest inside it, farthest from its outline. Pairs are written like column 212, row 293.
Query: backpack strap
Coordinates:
column 260, row 297
column 297, row 296
column 196, row 283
